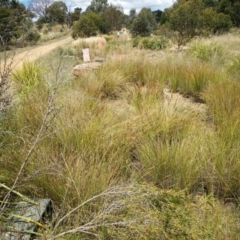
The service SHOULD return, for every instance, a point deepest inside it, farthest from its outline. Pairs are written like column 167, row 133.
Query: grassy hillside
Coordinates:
column 145, row 147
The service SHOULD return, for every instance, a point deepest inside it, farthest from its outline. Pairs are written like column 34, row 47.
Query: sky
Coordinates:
column 126, row 4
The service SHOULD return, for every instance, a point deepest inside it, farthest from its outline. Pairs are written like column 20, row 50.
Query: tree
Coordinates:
column 231, row 8
column 39, row 7
column 88, row 25
column 15, row 20
column 158, row 14
column 57, row 12
column 76, row 14
column 113, row 18
column 213, row 22
column 97, row 6
column 183, row 19
column 189, row 18
column 144, row 24
column 132, row 13
column 15, row 23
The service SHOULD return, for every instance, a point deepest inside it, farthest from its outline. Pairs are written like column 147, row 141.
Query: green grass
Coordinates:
column 117, row 157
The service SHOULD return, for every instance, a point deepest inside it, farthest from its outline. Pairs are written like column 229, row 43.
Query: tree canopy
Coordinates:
column 57, row 12
column 88, row 25
column 191, row 18
column 15, row 20
column 97, row 6
column 113, row 18
column 144, row 24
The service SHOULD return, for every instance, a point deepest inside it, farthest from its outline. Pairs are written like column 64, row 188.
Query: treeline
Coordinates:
column 189, row 18
column 185, row 18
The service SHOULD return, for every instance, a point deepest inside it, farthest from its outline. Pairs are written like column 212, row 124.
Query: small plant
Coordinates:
column 136, row 41
column 32, row 37
column 27, row 78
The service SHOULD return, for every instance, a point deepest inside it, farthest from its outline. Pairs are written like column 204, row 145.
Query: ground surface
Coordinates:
column 35, row 53
column 173, row 101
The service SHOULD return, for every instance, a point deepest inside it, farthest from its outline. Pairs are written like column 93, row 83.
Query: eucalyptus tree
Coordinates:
column 144, row 24
column 97, row 6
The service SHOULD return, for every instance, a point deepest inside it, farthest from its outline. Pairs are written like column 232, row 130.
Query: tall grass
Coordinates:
column 117, row 160
column 223, row 101
column 190, row 79
column 208, row 52
column 27, row 78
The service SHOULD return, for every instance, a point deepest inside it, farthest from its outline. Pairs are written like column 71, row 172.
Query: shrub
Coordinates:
column 144, row 24
column 136, row 41
column 153, row 43
column 32, row 37
column 88, row 25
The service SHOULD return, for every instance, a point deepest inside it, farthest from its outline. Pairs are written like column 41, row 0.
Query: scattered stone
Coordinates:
column 24, row 219
column 85, row 66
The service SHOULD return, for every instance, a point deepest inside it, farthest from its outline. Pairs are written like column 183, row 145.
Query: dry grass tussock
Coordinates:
column 121, row 151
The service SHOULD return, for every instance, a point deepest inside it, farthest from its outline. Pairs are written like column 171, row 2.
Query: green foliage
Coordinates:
column 88, row 25
column 97, row 6
column 153, row 43
column 213, row 22
column 233, row 67
column 113, row 17
column 13, row 19
column 191, row 79
column 230, row 8
column 207, row 52
column 75, row 15
column 125, row 158
column 26, row 78
column 183, row 19
column 144, row 24
column 57, row 12
column 191, row 18
column 32, row 37
column 223, row 102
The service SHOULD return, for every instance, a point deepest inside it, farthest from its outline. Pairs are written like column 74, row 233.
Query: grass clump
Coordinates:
column 27, row 78
column 233, row 67
column 190, row 79
column 211, row 52
column 223, row 102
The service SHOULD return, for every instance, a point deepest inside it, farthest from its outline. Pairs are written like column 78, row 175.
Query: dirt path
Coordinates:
column 35, row 53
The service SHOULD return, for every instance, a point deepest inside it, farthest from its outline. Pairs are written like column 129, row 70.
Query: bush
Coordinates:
column 153, row 43
column 88, row 25
column 32, row 36
column 144, row 24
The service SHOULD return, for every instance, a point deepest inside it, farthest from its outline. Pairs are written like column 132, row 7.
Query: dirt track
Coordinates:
column 35, row 53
